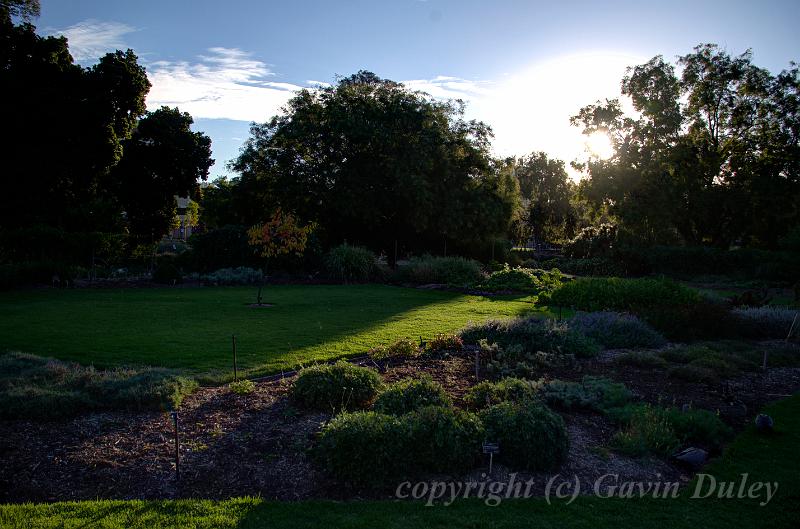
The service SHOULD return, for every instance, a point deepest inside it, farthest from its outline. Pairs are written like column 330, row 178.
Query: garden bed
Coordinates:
column 257, row 443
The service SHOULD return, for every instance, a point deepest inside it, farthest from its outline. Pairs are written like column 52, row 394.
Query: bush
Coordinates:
column 647, row 431
column 442, row 439
column 613, row 293
column 530, row 335
column 699, row 427
column 593, row 242
column 233, row 276
column 226, row 247
column 766, row 322
column 531, row 437
column 242, row 387
column 444, row 270
column 614, row 330
column 509, row 389
column 592, row 393
column 44, row 388
column 703, row 320
column 348, row 264
column 363, row 448
column 403, row 348
column 445, row 342
column 336, row 387
column 411, row 394
column 167, row 273
column 597, row 266
column 523, row 280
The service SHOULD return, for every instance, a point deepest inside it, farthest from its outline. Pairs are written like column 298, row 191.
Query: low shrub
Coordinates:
column 523, row 280
column 442, row 439
column 613, row 293
column 411, row 394
column 242, row 387
column 533, row 335
column 233, row 276
column 514, row 361
column 640, row 359
column 445, row 342
column 699, row 427
column 592, row 393
column 509, row 389
column 647, row 431
column 349, row 264
column 403, row 348
column 455, row 271
column 703, row 320
column 766, row 322
column 531, row 437
column 336, row 387
column 614, row 330
column 597, row 266
column 44, row 388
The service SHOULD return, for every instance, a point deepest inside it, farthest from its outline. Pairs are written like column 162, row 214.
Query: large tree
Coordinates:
column 712, row 156
column 546, row 191
column 373, row 162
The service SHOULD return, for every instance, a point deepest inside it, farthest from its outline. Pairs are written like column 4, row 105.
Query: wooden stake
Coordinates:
column 235, row 372
column 174, row 415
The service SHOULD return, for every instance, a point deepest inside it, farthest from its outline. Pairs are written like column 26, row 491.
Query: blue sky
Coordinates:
column 523, row 67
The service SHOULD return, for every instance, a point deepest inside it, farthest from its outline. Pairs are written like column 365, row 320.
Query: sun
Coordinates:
column 599, row 145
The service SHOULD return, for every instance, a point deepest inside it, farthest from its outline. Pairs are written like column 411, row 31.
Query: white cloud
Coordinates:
column 91, row 39
column 446, row 87
column 226, row 83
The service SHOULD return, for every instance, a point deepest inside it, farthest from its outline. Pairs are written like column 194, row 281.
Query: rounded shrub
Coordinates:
column 403, row 348
column 448, row 270
column 445, row 342
column 347, row 263
column 363, row 448
column 614, row 330
column 508, row 389
column 442, row 439
column 411, row 394
column 336, row 387
column 530, row 435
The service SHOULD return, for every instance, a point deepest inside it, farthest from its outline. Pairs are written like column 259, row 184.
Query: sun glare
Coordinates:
column 600, row 146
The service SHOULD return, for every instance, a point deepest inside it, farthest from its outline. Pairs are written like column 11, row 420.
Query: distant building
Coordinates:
column 184, row 229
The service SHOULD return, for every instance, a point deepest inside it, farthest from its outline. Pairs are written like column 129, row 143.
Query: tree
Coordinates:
column 24, row 9
column 546, row 191
column 163, row 159
column 372, row 163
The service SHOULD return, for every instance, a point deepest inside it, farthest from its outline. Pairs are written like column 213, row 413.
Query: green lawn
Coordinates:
column 191, row 328
column 771, row 458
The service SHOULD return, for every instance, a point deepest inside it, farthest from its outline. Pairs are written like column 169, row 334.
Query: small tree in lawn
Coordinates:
column 280, row 235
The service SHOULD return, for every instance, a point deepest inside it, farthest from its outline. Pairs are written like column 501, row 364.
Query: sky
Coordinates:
column 523, row 67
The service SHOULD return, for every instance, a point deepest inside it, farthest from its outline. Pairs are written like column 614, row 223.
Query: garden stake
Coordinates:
column 174, row 416
column 477, row 365
column 235, row 372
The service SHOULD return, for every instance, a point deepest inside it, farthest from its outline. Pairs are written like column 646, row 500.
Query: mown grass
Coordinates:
column 191, row 328
column 762, row 457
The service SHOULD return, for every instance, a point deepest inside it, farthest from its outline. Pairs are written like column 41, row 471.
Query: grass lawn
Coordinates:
column 191, row 328
column 764, row 458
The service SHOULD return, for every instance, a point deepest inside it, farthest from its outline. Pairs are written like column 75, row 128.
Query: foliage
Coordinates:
column 523, row 280
column 767, row 322
column 371, row 160
column 242, row 387
column 233, row 276
column 640, row 359
column 336, row 387
column 167, row 273
column 647, row 431
column 446, row 270
column 442, row 439
column 530, row 335
column 282, row 234
column 596, row 266
column 531, row 437
column 403, row 348
column 508, row 389
column 347, row 264
column 614, row 330
column 704, row 320
column 592, row 393
column 411, row 394
column 593, row 242
column 225, row 247
column 444, row 342
column 612, row 293
column 711, row 361
column 35, row 387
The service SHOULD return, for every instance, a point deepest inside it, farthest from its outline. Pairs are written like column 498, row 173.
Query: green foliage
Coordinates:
column 442, row 439
column 233, row 276
column 43, row 388
column 640, row 359
column 348, row 264
column 592, row 393
column 443, row 343
column 411, row 394
column 403, row 348
column 647, row 431
column 523, row 280
column 766, row 322
column 225, row 247
column 242, row 387
column 445, row 270
column 704, row 320
column 615, row 330
column 593, row 294
column 593, row 242
column 336, row 387
column 508, row 389
column 531, row 437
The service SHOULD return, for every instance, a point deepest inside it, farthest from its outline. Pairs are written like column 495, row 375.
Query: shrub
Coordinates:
column 225, row 247
column 347, row 263
column 411, row 394
column 167, row 274
column 597, row 266
column 233, row 276
column 509, row 389
column 44, row 388
column 593, row 393
column 523, row 280
column 640, row 359
column 336, row 387
column 242, row 387
column 696, row 426
column 531, row 437
column 447, row 270
column 647, row 431
column 614, row 330
column 403, row 348
column 697, row 321
column 592, row 242
column 445, row 342
column 766, row 322
column 442, row 439
column 532, row 335
column 613, row 293
column 363, row 448
column 708, row 362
